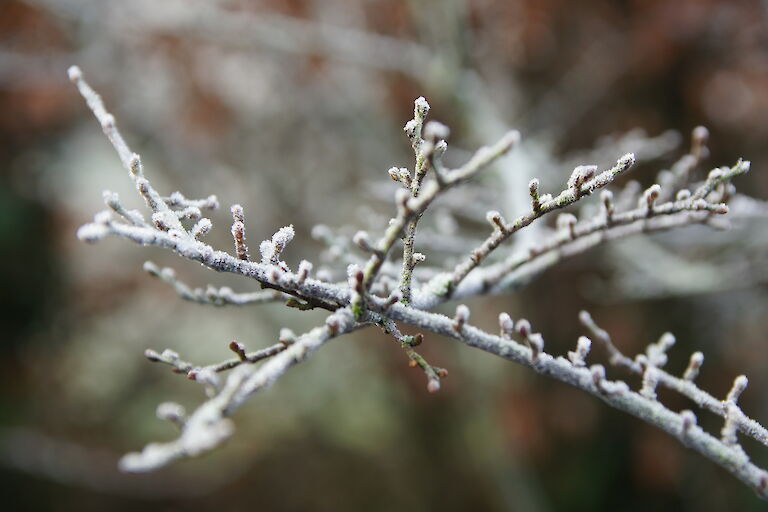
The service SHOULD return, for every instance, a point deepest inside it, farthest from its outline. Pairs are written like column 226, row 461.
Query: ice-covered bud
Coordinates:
column 151, row 268
column 580, row 175
column 411, row 129
column 683, row 194
column 75, row 74
column 739, row 385
column 92, row 232
column 598, row 376
column 460, row 318
column 523, row 327
column 700, row 135
column 274, row 274
column 578, row 356
column 211, row 202
column 207, row 377
column 533, row 190
column 362, row 240
column 355, row 277
column 171, row 411
column 286, row 337
column 401, row 175
column 536, row 343
column 625, row 162
column 650, row 195
column 168, row 274
column 239, row 349
column 134, row 164
column 202, row 228
column 103, row 217
column 164, row 219
column 237, row 213
column 510, row 139
column 657, row 352
column 111, row 199
column 440, row 148
column 283, row 237
column 697, row 359
column 305, row 267
column 394, row 297
column 332, row 323
column 420, row 108
column 152, row 355
column 238, row 232
column 495, row 219
column 434, row 131
column 190, row 212
column 506, row 325
column 169, row 355
column 688, row 421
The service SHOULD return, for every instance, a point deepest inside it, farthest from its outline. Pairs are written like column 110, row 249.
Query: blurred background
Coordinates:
column 295, row 108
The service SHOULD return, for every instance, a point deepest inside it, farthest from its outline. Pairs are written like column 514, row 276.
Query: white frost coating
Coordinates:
column 171, row 411
column 202, row 228
column 739, row 385
column 208, row 425
column 270, row 249
column 581, row 174
column 92, row 232
column 435, row 130
column 267, row 250
column 578, row 357
column 283, row 237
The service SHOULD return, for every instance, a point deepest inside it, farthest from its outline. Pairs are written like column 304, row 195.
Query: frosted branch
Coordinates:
column 372, row 296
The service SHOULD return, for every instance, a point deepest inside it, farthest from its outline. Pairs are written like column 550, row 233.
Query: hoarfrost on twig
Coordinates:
column 360, row 302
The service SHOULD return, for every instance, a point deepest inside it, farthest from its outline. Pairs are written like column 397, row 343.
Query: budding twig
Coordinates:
column 208, row 425
column 433, row 373
column 581, row 183
column 238, row 233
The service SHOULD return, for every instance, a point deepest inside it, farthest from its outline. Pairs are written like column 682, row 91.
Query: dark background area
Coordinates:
column 294, row 108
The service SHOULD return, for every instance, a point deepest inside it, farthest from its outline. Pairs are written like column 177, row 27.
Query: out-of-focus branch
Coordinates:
column 209, row 425
column 223, row 296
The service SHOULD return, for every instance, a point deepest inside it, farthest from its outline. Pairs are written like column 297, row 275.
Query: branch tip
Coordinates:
column 287, row 337
column 239, row 349
column 694, row 364
column 460, row 318
column 688, row 421
column 75, row 74
column 578, row 357
column 739, row 385
column 506, row 325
